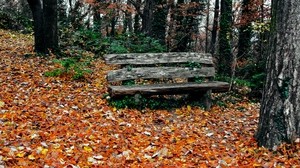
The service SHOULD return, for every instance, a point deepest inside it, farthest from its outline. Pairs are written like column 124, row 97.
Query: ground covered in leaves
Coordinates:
column 59, row 122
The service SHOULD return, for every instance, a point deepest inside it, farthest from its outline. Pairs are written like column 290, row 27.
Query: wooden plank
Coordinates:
column 174, row 88
column 158, row 58
column 159, row 72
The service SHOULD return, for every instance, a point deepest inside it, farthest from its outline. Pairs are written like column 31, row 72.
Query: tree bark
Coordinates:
column 147, row 17
column 207, row 26
column 225, row 36
column 215, row 28
column 45, row 25
column 38, row 24
column 279, row 119
column 50, row 24
column 245, row 31
column 159, row 23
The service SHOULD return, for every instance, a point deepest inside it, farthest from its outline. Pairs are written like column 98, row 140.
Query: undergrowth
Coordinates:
column 76, row 67
column 151, row 102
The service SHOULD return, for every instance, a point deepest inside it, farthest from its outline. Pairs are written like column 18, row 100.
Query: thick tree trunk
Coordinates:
column 45, row 25
column 38, row 23
column 280, row 108
column 50, row 24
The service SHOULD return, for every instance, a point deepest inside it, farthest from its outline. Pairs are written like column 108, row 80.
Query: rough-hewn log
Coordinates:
column 158, row 58
column 173, row 88
column 159, row 72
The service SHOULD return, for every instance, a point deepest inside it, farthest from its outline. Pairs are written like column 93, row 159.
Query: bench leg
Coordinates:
column 207, row 100
column 203, row 97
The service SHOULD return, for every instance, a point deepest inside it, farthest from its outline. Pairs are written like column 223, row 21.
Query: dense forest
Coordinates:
column 234, row 32
column 56, row 109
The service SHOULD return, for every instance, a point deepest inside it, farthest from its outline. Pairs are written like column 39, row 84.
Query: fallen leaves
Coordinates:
column 57, row 122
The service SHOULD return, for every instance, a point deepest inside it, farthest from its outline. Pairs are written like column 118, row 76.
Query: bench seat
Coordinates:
column 168, row 88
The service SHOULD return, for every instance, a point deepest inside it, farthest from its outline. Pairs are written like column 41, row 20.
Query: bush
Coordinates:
column 91, row 40
column 74, row 66
column 82, row 39
column 15, row 21
column 134, row 43
column 254, row 75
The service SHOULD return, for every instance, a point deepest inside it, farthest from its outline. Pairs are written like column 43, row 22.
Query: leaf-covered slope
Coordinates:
column 57, row 122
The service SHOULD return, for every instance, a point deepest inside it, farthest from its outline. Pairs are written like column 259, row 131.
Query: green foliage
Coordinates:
column 251, row 86
column 129, row 82
column 152, row 102
column 90, row 40
column 193, row 65
column 257, row 80
column 284, row 89
column 74, row 66
column 54, row 73
column 140, row 102
column 198, row 79
column 83, row 39
column 15, row 21
column 134, row 43
column 252, row 75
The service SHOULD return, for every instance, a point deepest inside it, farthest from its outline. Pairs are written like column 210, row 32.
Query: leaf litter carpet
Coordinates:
column 58, row 122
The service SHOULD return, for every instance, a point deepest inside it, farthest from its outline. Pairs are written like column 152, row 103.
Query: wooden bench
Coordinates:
column 164, row 74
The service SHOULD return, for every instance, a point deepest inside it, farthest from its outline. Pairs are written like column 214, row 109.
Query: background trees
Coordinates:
column 280, row 109
column 235, row 35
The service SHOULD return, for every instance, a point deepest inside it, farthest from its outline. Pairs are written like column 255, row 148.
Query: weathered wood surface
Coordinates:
column 158, row 58
column 173, row 88
column 159, row 72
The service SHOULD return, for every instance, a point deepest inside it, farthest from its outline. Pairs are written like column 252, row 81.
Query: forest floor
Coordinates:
column 60, row 122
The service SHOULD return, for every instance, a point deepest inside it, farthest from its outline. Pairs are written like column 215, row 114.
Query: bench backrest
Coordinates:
column 160, row 65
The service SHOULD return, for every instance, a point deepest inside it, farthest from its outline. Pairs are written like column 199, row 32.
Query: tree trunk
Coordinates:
column 215, row 28
column 147, row 17
column 225, row 36
column 38, row 23
column 45, row 25
column 207, row 26
column 280, row 108
column 50, row 24
column 244, row 45
column 160, row 21
column 136, row 24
